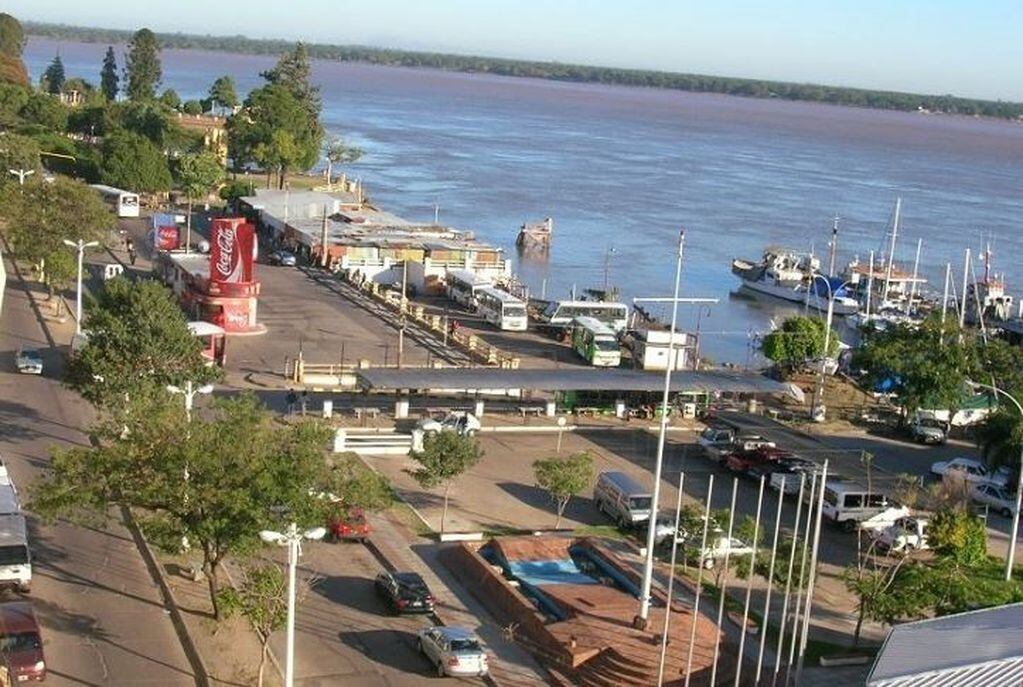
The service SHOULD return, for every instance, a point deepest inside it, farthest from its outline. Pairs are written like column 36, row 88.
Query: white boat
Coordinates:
column 793, row 277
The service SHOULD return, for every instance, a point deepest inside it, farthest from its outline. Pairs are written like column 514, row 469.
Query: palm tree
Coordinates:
column 1000, row 438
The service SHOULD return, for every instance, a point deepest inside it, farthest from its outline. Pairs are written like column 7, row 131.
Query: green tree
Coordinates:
column 223, row 93
column 54, row 77
column 234, row 190
column 798, row 340
column 339, row 152
column 215, row 482
column 12, row 42
column 262, row 599
column 40, row 215
column 131, row 161
column 886, row 593
column 192, row 107
column 18, row 152
column 108, row 79
column 358, row 486
column 958, row 536
column 445, row 456
column 142, row 70
column 294, row 71
column 170, row 99
column 199, row 174
column 45, row 112
column 563, row 478
column 1000, row 437
column 138, row 342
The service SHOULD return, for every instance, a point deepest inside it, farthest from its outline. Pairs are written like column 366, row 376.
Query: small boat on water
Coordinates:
column 794, row 277
column 535, row 236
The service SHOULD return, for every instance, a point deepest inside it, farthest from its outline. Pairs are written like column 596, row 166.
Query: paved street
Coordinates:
column 102, row 616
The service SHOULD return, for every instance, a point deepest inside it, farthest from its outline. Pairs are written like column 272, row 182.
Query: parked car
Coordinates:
column 28, row 361
column 718, row 545
column 744, row 461
column 971, row 470
column 716, row 440
column 282, row 257
column 906, row 533
column 994, row 497
column 348, row 524
column 927, row 430
column 462, row 422
column 787, row 472
column 622, row 498
column 21, row 643
column 404, row 592
column 455, row 651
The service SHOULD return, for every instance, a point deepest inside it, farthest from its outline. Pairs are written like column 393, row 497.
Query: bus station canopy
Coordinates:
column 569, row 379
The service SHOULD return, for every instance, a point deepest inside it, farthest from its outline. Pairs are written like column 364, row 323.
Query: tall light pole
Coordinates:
column 21, row 174
column 1011, row 555
column 818, row 397
column 189, row 392
column 651, row 534
column 80, row 246
column 291, row 538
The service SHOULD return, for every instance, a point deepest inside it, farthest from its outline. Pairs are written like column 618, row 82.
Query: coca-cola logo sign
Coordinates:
column 228, row 265
column 231, row 248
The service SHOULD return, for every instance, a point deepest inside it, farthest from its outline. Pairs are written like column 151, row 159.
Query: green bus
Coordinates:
column 595, row 342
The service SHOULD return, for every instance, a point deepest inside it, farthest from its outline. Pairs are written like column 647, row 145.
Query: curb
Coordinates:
column 202, row 678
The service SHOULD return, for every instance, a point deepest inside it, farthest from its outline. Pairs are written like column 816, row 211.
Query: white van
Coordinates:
column 622, row 498
column 848, row 503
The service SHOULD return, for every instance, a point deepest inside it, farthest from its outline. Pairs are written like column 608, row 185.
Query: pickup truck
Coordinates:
column 717, row 442
column 747, row 460
column 348, row 524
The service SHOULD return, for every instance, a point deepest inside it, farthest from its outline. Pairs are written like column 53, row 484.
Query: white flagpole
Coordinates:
column 802, row 572
column 788, row 580
column 724, row 586
column 812, row 575
column 699, row 582
column 671, row 579
column 749, row 585
column 770, row 584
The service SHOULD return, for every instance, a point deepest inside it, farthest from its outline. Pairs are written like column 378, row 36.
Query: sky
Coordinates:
column 964, row 47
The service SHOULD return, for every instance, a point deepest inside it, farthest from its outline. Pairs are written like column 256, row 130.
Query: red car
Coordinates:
column 349, row 524
column 744, row 461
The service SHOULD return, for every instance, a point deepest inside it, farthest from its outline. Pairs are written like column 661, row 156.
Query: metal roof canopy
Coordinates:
column 572, row 379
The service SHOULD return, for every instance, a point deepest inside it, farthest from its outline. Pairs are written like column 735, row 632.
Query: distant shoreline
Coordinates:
column 556, row 71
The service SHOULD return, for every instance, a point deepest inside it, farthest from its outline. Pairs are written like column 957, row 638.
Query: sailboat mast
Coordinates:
column 966, row 276
column 944, row 297
column 834, row 247
column 916, row 269
column 891, row 251
column 870, row 284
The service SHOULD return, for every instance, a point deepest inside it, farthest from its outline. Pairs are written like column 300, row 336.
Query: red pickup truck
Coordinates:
column 744, row 461
column 348, row 524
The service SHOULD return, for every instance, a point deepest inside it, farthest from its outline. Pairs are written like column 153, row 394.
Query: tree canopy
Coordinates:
column 142, row 69
column 108, row 79
column 138, row 342
column 170, row 99
column 131, row 161
column 18, row 152
column 564, row 477
column 798, row 340
column 12, row 42
column 53, row 78
column 223, row 92
column 445, row 456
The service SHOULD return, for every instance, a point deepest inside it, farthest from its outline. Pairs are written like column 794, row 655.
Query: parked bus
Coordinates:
column 462, row 286
column 124, row 203
column 596, row 342
column 558, row 315
column 502, row 309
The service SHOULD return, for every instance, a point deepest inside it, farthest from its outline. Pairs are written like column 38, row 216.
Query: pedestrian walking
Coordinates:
column 130, row 246
column 305, row 401
column 291, row 399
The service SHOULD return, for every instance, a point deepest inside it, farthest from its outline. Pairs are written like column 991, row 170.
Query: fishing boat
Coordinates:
column 535, row 236
column 795, row 277
column 881, row 281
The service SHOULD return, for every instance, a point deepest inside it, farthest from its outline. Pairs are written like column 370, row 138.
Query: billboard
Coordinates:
column 165, row 237
column 232, row 248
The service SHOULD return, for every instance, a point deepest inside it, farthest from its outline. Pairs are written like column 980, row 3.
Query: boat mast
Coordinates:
column 916, row 268
column 834, row 247
column 966, row 276
column 870, row 285
column 944, row 297
column 891, row 251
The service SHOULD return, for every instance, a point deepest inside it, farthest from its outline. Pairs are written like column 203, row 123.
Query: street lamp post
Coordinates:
column 1011, row 555
column 818, row 398
column 80, row 246
column 189, row 392
column 21, row 174
column 291, row 538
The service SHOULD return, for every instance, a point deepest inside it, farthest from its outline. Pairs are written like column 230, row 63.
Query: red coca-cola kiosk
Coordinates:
column 220, row 287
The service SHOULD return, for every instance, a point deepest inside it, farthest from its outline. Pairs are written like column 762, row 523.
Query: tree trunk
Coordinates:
column 262, row 660
column 561, row 511
column 444, row 514
column 210, row 570
column 268, row 177
column 859, row 625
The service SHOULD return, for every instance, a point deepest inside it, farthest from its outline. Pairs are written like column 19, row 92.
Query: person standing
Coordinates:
column 130, row 246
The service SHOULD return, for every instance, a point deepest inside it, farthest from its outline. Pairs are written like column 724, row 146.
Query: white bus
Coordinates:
column 502, row 309
column 559, row 314
column 596, row 342
column 124, row 203
column 462, row 286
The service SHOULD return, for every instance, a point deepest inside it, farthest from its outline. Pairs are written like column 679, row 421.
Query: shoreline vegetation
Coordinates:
column 556, row 71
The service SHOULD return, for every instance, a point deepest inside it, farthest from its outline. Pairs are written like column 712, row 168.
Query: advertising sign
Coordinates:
column 231, row 250
column 165, row 237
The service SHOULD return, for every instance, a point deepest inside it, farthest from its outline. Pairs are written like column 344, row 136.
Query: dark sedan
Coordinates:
column 404, row 592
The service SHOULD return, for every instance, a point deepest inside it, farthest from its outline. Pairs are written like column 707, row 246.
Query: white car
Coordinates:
column 970, row 470
column 904, row 534
column 464, row 423
column 453, row 651
column 996, row 498
column 718, row 545
column 28, row 361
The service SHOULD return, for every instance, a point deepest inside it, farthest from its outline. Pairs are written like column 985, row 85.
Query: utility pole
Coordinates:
column 834, row 247
column 404, row 307
column 323, row 239
column 891, row 252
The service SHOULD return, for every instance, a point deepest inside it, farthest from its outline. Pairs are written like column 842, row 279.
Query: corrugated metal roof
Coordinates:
column 573, row 379
column 976, row 649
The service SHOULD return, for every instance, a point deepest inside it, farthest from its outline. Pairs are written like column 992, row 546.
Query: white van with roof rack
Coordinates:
column 849, row 503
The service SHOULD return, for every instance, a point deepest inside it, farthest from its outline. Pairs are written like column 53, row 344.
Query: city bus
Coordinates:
column 595, row 342
column 124, row 203
column 501, row 309
column 558, row 315
column 462, row 286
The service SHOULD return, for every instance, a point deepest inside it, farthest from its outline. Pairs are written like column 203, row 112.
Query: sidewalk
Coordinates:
column 511, row 665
